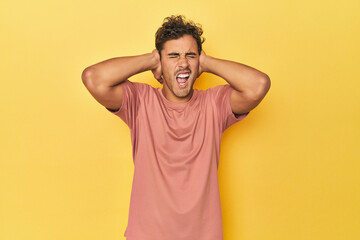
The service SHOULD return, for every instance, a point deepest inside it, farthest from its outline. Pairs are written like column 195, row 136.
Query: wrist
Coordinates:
column 204, row 63
column 154, row 59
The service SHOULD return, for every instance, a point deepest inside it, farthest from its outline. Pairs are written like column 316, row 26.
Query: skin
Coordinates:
column 249, row 85
column 103, row 80
column 179, row 56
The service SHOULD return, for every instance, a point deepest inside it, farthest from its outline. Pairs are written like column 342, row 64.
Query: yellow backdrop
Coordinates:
column 290, row 170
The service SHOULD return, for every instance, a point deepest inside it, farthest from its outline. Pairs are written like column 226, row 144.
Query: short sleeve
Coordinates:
column 222, row 102
column 129, row 107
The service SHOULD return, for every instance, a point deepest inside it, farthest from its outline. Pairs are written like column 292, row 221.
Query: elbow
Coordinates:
column 263, row 87
column 86, row 76
column 266, row 84
column 91, row 79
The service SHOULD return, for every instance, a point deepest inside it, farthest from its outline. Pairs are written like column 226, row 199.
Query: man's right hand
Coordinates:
column 156, row 70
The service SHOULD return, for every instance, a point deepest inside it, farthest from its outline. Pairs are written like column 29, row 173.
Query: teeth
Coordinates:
column 183, row 75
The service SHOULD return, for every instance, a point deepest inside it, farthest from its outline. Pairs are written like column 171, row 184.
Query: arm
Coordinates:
column 249, row 85
column 103, row 80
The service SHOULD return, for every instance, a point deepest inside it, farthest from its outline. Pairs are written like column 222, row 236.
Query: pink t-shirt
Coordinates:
column 176, row 148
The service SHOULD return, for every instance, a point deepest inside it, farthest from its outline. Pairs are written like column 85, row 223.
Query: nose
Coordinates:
column 183, row 62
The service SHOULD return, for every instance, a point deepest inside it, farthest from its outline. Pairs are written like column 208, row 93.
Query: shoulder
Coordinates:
column 218, row 91
column 139, row 87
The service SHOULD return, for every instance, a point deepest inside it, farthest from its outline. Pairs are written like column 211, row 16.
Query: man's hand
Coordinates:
column 202, row 63
column 156, row 70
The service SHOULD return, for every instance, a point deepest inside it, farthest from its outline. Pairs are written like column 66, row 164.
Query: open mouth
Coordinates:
column 182, row 79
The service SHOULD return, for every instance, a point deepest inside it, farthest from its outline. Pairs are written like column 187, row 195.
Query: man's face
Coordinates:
column 180, row 68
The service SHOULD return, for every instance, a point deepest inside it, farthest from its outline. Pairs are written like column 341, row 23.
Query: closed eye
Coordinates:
column 173, row 55
column 176, row 55
column 191, row 55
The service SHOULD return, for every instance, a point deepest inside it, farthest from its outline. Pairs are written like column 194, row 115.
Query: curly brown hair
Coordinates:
column 176, row 26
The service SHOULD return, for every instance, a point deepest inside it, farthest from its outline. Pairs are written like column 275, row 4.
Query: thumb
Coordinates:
column 158, row 77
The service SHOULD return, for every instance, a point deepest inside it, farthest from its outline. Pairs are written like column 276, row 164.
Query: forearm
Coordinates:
column 113, row 71
column 241, row 77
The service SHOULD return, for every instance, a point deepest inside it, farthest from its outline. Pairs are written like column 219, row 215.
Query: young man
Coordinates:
column 176, row 130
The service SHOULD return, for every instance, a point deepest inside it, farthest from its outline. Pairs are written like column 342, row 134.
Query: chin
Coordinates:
column 184, row 93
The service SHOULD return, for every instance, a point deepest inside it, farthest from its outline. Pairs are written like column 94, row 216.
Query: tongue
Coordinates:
column 181, row 80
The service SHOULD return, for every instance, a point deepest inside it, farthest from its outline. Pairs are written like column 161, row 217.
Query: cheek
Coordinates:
column 195, row 67
column 166, row 69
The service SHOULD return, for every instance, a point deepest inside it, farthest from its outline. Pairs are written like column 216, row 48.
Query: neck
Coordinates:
column 172, row 98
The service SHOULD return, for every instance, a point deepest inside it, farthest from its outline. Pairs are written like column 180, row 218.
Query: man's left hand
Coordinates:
column 202, row 61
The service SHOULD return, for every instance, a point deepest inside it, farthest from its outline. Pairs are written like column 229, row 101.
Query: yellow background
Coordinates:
column 290, row 170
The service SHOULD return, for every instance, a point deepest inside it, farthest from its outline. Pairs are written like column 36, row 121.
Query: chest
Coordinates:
column 176, row 130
